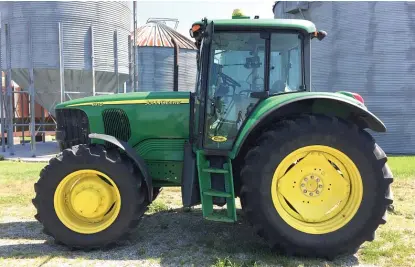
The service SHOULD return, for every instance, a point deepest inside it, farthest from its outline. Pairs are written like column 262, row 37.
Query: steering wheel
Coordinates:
column 223, row 90
column 229, row 80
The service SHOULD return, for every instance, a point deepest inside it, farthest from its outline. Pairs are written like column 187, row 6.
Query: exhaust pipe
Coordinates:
column 175, row 66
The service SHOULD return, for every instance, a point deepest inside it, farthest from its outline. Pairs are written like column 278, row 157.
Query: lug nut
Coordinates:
column 302, row 185
column 320, row 186
column 312, row 177
column 318, row 180
column 306, row 179
column 317, row 192
column 311, row 194
column 305, row 191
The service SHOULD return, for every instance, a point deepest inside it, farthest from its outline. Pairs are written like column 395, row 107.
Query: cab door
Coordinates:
column 198, row 98
column 236, row 73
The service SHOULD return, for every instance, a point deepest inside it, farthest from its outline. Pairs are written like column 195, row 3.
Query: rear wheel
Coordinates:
column 322, row 190
column 88, row 197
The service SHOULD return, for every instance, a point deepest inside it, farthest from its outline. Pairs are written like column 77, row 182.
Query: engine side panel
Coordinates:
column 154, row 124
column 160, row 115
column 164, row 158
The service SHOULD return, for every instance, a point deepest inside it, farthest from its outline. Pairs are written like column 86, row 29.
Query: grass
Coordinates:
column 16, row 181
column 170, row 236
column 226, row 262
column 402, row 166
column 157, row 206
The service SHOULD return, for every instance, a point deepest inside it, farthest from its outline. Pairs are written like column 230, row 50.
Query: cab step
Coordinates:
column 207, row 193
column 215, row 170
column 216, row 193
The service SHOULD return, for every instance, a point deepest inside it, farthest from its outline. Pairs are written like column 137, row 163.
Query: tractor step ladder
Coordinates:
column 207, row 193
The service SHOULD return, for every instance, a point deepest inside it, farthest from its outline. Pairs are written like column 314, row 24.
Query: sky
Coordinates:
column 189, row 11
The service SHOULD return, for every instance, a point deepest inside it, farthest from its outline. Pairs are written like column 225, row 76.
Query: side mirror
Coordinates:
column 321, row 35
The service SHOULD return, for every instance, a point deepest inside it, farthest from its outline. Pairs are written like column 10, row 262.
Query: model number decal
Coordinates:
column 97, row 104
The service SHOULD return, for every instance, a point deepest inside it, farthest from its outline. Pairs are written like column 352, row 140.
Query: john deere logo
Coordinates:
column 163, row 102
column 219, row 139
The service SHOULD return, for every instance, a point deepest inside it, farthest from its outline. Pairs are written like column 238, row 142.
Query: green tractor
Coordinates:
column 311, row 180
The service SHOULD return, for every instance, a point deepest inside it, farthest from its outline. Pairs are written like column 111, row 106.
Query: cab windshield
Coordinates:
column 238, row 68
column 241, row 56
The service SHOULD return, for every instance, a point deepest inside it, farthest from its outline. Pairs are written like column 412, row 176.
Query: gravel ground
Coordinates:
column 170, row 236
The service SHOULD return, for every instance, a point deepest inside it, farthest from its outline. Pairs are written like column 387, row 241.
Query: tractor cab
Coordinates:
column 242, row 61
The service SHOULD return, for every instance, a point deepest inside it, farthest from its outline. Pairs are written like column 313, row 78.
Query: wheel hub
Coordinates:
column 87, row 201
column 311, row 185
column 91, row 198
column 311, row 189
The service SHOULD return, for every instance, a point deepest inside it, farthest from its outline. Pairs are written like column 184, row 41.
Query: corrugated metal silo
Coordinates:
column 155, row 59
column 369, row 49
column 75, row 39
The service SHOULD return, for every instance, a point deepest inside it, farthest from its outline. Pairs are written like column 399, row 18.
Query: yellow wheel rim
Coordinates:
column 317, row 189
column 87, row 201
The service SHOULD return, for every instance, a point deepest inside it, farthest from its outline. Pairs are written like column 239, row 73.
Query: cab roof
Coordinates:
column 294, row 24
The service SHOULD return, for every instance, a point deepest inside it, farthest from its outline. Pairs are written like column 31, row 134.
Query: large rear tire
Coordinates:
column 89, row 198
column 316, row 186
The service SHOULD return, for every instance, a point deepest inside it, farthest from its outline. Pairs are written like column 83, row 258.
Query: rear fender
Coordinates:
column 140, row 163
column 278, row 107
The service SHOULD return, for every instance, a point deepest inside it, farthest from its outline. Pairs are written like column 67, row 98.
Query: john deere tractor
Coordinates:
column 311, row 179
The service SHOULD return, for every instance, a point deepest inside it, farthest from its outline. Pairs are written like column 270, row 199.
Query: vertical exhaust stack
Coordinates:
column 175, row 66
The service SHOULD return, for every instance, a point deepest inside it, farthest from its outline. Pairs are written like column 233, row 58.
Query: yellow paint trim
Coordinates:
column 334, row 204
column 172, row 101
column 85, row 203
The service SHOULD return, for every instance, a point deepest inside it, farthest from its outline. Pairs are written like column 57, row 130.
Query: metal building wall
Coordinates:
column 93, row 37
column 370, row 49
column 156, row 68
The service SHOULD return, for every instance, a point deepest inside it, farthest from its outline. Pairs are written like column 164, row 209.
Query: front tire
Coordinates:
column 89, row 198
column 316, row 186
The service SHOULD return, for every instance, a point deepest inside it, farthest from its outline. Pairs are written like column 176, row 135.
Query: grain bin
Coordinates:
column 75, row 49
column 369, row 49
column 155, row 58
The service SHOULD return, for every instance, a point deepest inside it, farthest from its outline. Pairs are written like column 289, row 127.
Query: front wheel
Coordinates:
column 89, row 197
column 316, row 186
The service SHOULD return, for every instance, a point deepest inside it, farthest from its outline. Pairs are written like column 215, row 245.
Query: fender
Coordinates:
column 306, row 102
column 132, row 154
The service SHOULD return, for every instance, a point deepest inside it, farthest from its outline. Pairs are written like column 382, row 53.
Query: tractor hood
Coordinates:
column 150, row 98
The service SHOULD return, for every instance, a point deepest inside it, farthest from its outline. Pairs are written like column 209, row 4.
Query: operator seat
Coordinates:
column 277, row 86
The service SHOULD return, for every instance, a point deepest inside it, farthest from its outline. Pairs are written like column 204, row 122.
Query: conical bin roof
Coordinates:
column 159, row 34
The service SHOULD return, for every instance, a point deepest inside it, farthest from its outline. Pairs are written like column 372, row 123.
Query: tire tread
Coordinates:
column 299, row 126
column 96, row 152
